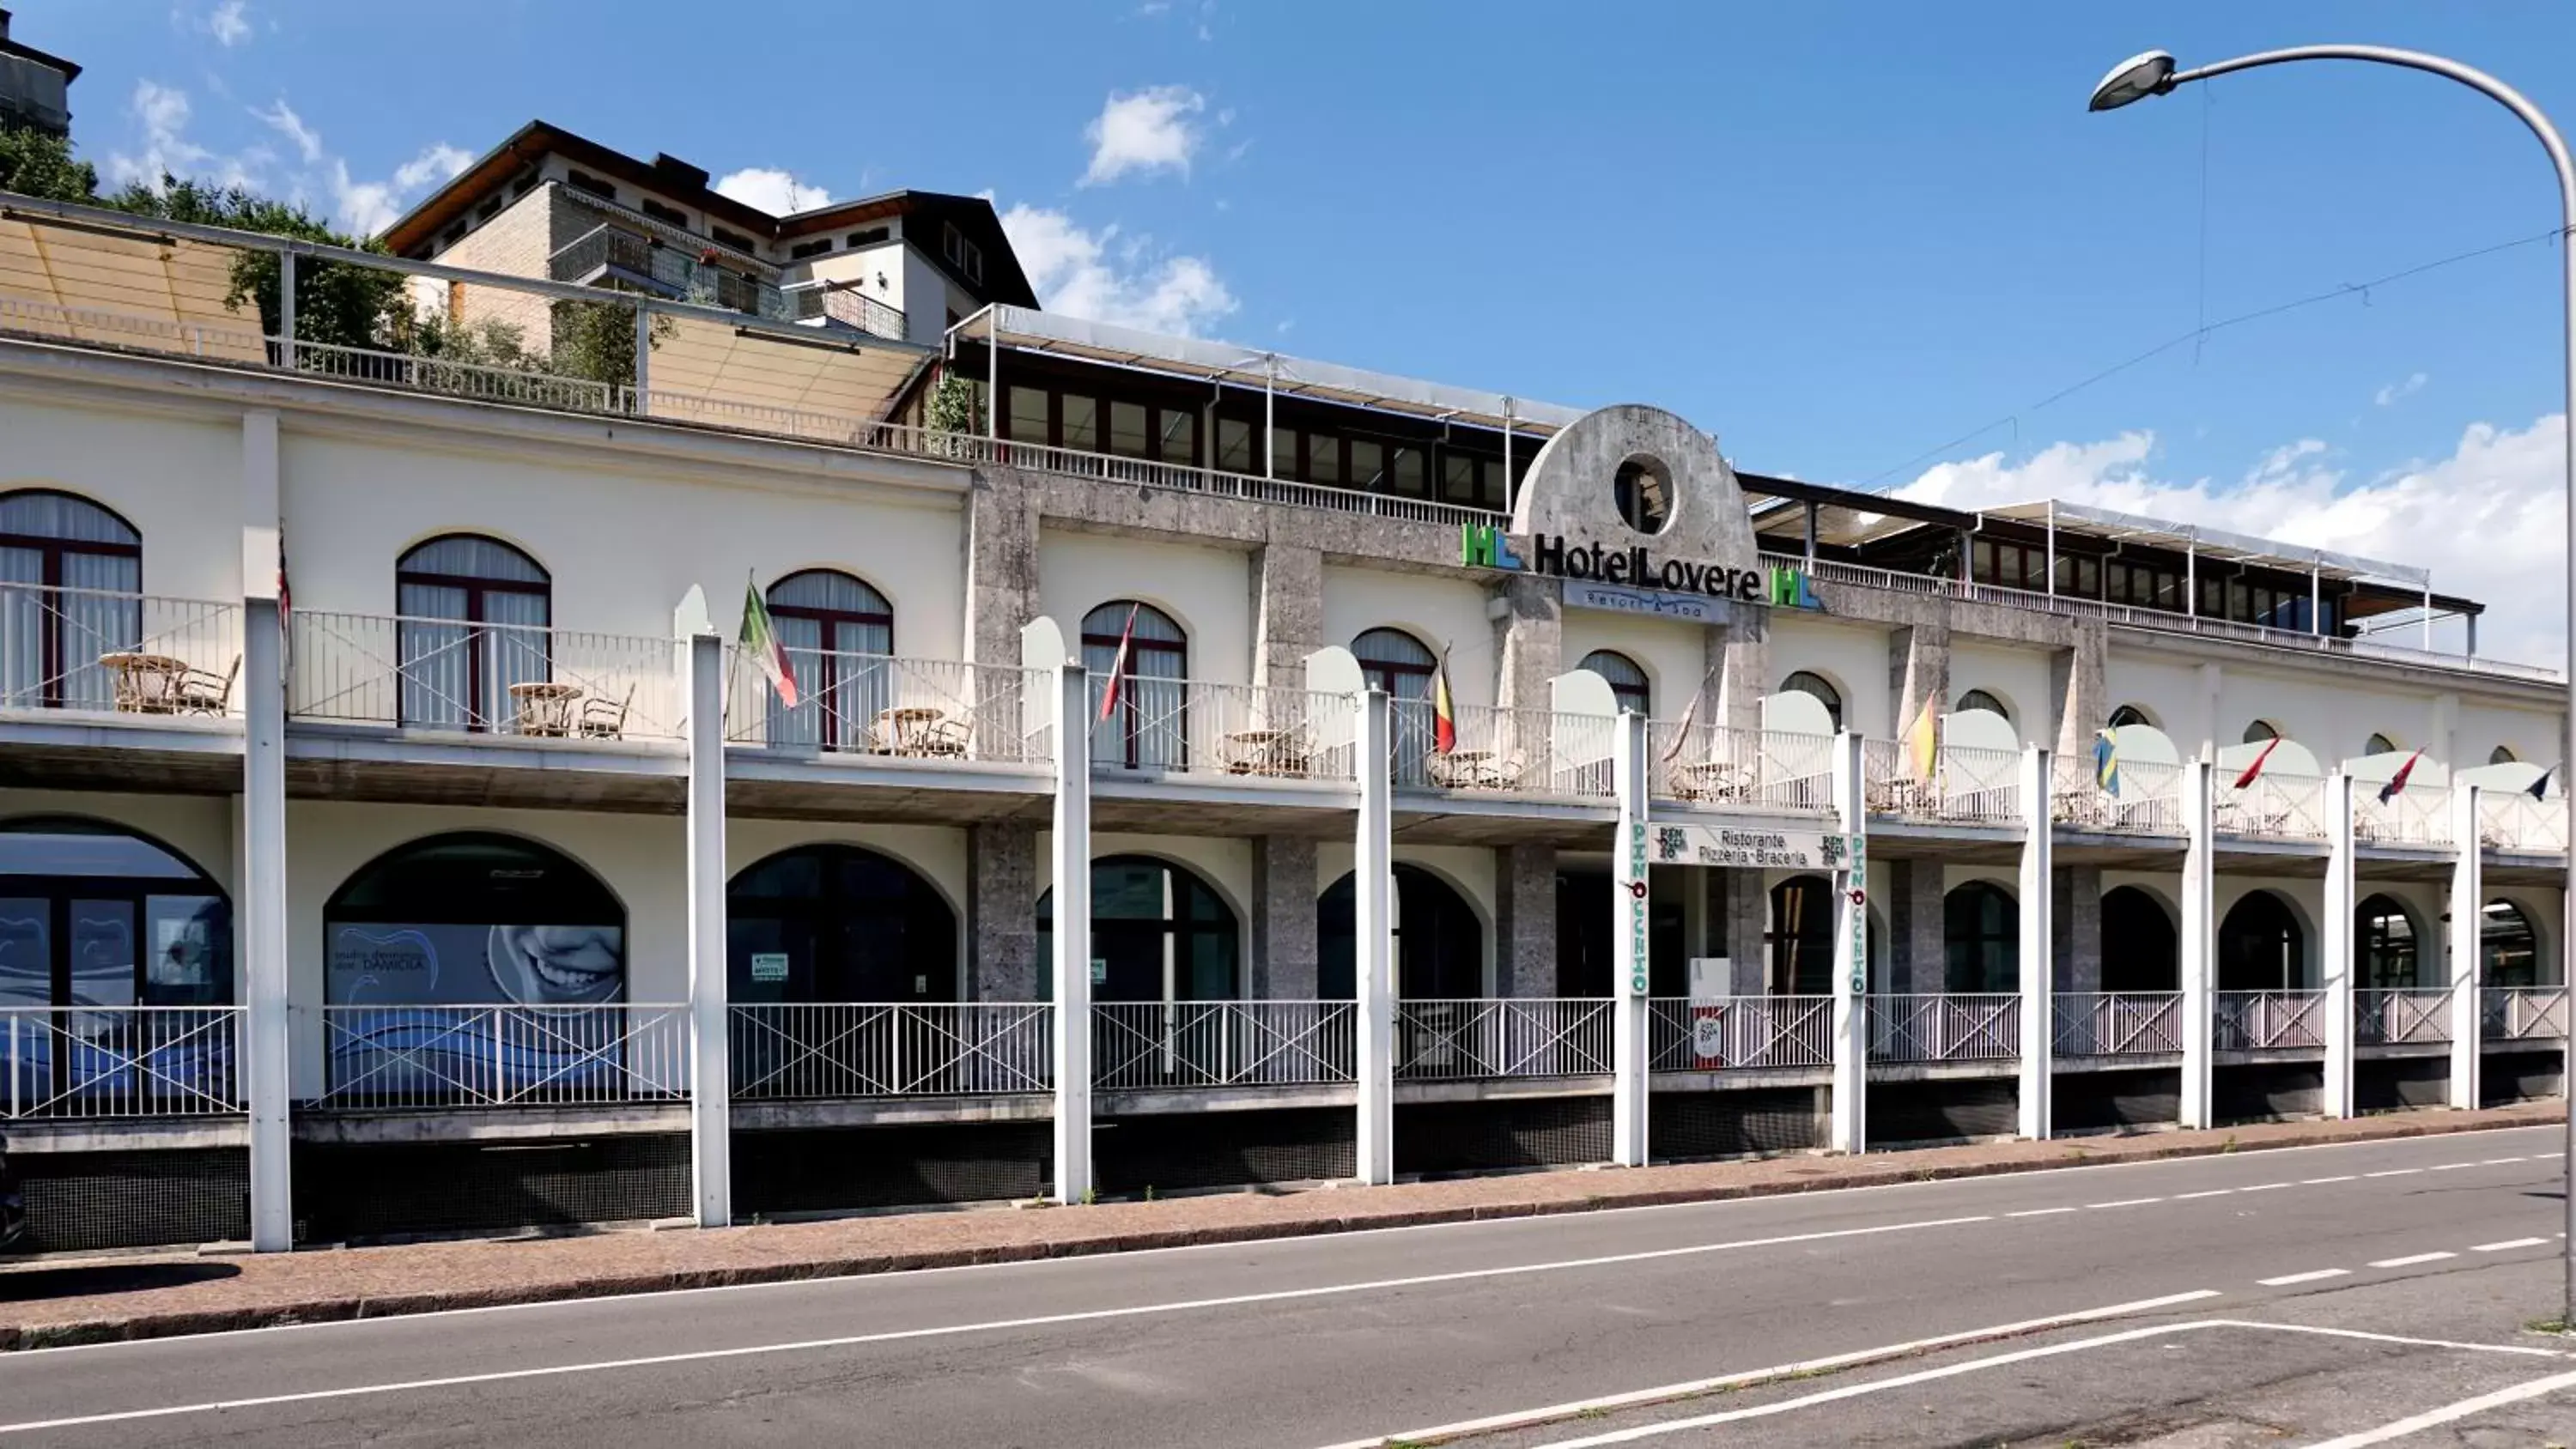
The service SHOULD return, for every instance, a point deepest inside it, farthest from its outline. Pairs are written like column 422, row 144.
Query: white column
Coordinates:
column 2334, row 948
column 701, row 652
column 1071, row 859
column 2038, row 926
column 264, row 1046
column 286, row 306
column 1850, row 1115
column 1372, row 901
column 2468, row 913
column 643, row 358
column 1629, row 991
column 2199, row 942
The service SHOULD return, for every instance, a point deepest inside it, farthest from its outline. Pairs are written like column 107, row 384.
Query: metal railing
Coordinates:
column 2523, row 1013
column 2266, row 1020
column 1718, row 765
column 1720, row 1033
column 511, row 679
column 2385, row 1017
column 2512, row 820
column 481, row 382
column 1141, row 1045
column 2147, row 800
column 2288, row 807
column 1489, row 1037
column 2420, row 814
column 674, row 268
column 109, row 652
column 848, row 306
column 883, row 704
column 1952, row 1027
column 1967, row 784
column 2116, row 1023
column 78, row 1062
column 1192, row 727
column 1505, row 751
column 817, row 1050
column 396, row 1058
column 1215, row 483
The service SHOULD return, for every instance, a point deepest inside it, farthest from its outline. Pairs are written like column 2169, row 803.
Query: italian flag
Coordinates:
column 760, row 641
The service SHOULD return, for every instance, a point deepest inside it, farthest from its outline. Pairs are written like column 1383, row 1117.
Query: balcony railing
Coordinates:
column 1191, row 727
column 848, row 306
column 2383, row 1017
column 1764, row 769
column 882, row 704
column 2280, row 807
column 397, row 1058
column 2117, row 1023
column 2146, row 800
column 822, row 1050
column 1462, row 1040
column 107, row 652
column 1739, row 1032
column 2523, row 1013
column 478, row 381
column 2512, row 820
column 1504, row 751
column 1968, row 785
column 80, row 1062
column 478, row 678
column 2420, row 814
column 1143, row 1045
column 2266, row 1020
column 1956, row 1027
column 681, row 275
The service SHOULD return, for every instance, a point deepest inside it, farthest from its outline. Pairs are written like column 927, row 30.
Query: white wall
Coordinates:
column 1853, row 656
column 2019, row 677
column 1443, row 613
column 177, row 480
column 1673, row 654
column 1207, row 591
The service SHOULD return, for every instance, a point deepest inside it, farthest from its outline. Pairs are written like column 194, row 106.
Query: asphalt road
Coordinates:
column 2155, row 1303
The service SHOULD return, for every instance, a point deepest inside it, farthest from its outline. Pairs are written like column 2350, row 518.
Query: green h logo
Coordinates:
column 1789, row 590
column 1481, row 545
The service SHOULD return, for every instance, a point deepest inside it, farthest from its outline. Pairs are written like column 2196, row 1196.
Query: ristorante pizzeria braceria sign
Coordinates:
column 1481, row 545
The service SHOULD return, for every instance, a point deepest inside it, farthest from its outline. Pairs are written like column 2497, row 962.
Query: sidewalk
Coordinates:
column 45, row 1304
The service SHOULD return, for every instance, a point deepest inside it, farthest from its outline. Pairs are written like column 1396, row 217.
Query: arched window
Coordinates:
column 1798, row 937
column 1981, row 936
column 2127, row 715
column 50, row 641
column 1804, row 682
column 1158, row 933
column 836, row 631
column 2261, row 730
column 2260, row 945
column 2386, row 936
column 1149, row 730
column 2508, row 948
column 1439, row 942
column 474, row 919
column 1627, row 680
column 2502, row 755
column 474, row 619
column 838, row 923
column 93, row 915
column 2140, row 949
column 1981, row 699
column 2379, row 745
column 1394, row 661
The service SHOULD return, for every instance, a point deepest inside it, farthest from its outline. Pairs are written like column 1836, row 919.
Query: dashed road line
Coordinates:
column 2039, row 1212
column 2501, row 1161
column 2263, row 1187
column 2395, row 1172
column 2451, row 1166
column 2319, row 1275
column 2126, row 1202
column 2322, row 1181
column 2212, row 1192
column 2509, row 1244
column 2411, row 1259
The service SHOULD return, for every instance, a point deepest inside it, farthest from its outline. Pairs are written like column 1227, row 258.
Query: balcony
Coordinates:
column 926, row 711
column 2146, row 798
column 1758, row 769
column 2513, row 820
column 449, row 676
column 1968, row 785
column 1167, row 726
column 845, row 306
column 130, row 656
column 1504, row 752
column 611, row 253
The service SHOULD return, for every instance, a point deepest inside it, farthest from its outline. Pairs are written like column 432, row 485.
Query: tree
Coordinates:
column 33, row 163
column 341, row 303
column 596, row 341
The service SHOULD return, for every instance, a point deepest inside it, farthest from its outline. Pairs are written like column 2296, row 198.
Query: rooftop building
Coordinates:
column 35, row 87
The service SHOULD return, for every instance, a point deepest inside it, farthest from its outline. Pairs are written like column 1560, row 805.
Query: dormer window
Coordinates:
column 962, row 254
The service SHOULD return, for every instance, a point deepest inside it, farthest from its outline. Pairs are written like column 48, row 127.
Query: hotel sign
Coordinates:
column 1633, row 567
column 1752, row 849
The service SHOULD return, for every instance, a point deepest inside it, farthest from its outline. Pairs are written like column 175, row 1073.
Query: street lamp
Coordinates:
column 2153, row 74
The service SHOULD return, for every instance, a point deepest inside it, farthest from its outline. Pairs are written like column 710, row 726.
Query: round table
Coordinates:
column 905, row 729
column 545, row 707
column 145, row 683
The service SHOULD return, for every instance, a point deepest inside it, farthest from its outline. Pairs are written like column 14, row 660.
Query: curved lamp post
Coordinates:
column 2153, row 74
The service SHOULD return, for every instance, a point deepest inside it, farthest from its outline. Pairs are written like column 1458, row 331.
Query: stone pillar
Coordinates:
column 2075, row 936
column 1284, row 954
column 1529, row 640
column 1002, row 911
column 1287, row 614
column 2076, row 688
column 2468, row 914
column 1918, row 956
column 1001, row 564
column 266, row 989
column 1525, row 920
column 2038, row 1034
column 2334, row 949
column 1918, row 668
column 1740, row 655
column 710, row 1016
column 1737, row 900
column 2199, row 943
column 1848, row 1129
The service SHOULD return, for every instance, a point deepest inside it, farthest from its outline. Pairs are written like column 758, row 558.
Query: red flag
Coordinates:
column 1118, row 666
column 2256, row 768
column 2397, row 781
column 1444, row 717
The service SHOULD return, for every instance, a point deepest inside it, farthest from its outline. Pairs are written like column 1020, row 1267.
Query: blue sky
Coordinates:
column 1837, row 235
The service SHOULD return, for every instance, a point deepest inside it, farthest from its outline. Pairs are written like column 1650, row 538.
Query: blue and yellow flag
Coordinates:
column 2106, row 761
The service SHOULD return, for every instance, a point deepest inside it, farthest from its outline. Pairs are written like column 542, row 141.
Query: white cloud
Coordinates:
column 306, row 139
column 774, row 191
column 2414, row 383
column 1148, row 131
column 432, row 167
column 2488, row 520
column 1106, row 278
column 360, row 207
column 227, row 23
column 161, row 112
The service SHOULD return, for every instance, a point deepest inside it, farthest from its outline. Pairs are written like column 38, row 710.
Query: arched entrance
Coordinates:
column 1981, row 940
column 1439, row 941
column 2261, row 946
column 1798, row 937
column 2508, row 947
column 2140, row 948
column 1158, row 933
column 836, row 923
column 2385, row 935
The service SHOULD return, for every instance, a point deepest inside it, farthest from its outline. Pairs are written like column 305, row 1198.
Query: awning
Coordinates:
column 2214, row 543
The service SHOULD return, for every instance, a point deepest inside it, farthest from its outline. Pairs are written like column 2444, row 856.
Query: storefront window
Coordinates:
column 474, row 920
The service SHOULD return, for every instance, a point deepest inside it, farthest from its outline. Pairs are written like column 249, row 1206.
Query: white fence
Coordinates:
column 409, row 1057
column 2523, row 1013
column 1139, row 1045
column 120, row 1061
column 2389, row 1018
column 815, row 1050
column 1717, row 765
column 2264, row 1020
column 1524, row 751
column 2286, row 807
column 1970, row 785
column 2512, row 820
column 1959, row 1027
column 2420, row 814
column 2146, row 798
column 2117, row 1023
column 452, row 379
column 880, row 704
column 510, row 679
column 1192, row 727
column 1685, row 1035
column 1460, row 1040
column 111, row 652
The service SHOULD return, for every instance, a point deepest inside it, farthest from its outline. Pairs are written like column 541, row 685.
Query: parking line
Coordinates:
column 2411, row 1259
column 2321, row 1274
column 2449, row 1413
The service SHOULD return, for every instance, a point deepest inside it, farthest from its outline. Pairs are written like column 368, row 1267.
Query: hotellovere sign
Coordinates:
column 1481, row 545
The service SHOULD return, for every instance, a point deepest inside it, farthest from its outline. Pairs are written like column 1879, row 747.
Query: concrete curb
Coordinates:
column 1893, row 1173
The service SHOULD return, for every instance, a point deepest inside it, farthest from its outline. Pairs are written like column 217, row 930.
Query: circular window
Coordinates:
column 1645, row 494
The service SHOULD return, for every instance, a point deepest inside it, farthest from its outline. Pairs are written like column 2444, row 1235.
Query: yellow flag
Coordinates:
column 1920, row 739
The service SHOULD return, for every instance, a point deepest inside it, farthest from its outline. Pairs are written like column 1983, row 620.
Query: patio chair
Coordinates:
column 601, row 720
column 947, row 735
column 205, row 692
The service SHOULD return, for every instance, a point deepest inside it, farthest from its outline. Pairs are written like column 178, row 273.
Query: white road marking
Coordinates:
column 1523, row 1418
column 2212, row 1192
column 2039, row 1212
column 2501, row 1161
column 2263, row 1187
column 2411, row 1259
column 2451, row 1166
column 2395, row 1172
column 2322, row 1181
column 2319, row 1275
column 2126, row 1202
column 2509, row 1244
column 2449, row 1413
column 947, row 1330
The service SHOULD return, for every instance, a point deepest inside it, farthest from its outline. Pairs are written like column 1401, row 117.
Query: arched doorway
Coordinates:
column 1158, row 933
column 1810, row 683
column 1149, row 728
column 1798, row 937
column 1626, row 678
column 1981, row 940
column 1439, row 941
column 2508, row 947
column 836, row 923
column 2385, row 935
column 2261, row 946
column 69, row 574
column 2140, row 948
column 836, row 631
column 474, row 615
